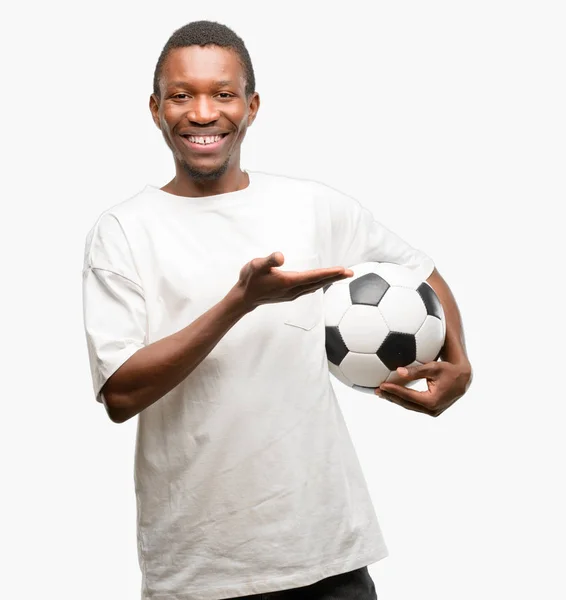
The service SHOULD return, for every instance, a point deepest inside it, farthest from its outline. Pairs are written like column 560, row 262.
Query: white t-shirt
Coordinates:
column 245, row 475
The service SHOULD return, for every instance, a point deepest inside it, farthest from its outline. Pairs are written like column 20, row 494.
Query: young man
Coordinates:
column 203, row 316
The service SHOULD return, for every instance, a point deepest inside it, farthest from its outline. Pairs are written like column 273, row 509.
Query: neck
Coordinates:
column 183, row 184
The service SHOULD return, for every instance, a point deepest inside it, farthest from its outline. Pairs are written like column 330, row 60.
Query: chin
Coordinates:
column 205, row 173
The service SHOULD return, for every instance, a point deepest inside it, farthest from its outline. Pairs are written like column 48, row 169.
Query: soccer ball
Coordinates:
column 383, row 317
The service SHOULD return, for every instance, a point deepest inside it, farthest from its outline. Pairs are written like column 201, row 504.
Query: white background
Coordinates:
column 447, row 120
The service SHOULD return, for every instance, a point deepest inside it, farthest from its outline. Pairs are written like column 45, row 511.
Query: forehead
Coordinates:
column 199, row 65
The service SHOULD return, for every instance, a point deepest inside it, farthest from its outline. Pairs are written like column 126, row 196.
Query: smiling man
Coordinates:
column 203, row 317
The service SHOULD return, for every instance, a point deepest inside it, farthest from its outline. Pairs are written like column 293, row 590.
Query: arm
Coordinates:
column 157, row 368
column 352, row 235
column 454, row 349
column 129, row 374
column 356, row 237
column 447, row 379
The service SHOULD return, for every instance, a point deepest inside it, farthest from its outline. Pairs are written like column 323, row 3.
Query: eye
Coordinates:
column 178, row 96
column 225, row 95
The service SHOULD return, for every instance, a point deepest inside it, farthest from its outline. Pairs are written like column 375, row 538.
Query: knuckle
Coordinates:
column 436, row 368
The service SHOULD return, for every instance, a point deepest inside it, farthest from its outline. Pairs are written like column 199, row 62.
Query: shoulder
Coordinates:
column 321, row 192
column 115, row 216
column 108, row 233
column 122, row 210
column 280, row 180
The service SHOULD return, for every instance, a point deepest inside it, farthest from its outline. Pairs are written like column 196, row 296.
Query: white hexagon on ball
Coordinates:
column 403, row 310
column 336, row 303
column 364, row 369
column 337, row 372
column 363, row 329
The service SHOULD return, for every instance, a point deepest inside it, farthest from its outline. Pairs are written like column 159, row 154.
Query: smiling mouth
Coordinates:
column 204, row 140
column 205, row 144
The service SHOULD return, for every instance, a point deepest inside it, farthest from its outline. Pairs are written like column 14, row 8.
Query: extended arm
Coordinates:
column 156, row 369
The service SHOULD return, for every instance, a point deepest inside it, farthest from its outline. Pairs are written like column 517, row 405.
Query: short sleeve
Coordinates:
column 355, row 236
column 114, row 308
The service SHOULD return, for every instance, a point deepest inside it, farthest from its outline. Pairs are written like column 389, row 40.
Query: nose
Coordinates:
column 203, row 110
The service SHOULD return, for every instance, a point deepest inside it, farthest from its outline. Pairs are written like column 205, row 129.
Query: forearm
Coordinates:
column 156, row 369
column 454, row 349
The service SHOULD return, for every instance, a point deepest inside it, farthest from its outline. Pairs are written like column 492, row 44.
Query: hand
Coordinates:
column 261, row 282
column 446, row 383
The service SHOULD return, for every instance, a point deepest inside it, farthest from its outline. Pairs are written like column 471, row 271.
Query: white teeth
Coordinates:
column 204, row 140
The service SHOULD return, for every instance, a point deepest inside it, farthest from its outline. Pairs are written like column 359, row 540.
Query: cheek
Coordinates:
column 163, row 123
column 242, row 124
column 240, row 134
column 169, row 119
column 238, row 115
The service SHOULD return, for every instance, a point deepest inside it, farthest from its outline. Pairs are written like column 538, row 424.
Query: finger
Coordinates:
column 275, row 259
column 300, row 290
column 264, row 265
column 325, row 276
column 403, row 403
column 425, row 399
column 406, row 374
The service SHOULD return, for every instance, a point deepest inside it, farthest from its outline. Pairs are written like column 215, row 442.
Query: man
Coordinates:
column 246, row 479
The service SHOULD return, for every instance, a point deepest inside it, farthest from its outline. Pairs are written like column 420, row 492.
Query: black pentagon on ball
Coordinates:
column 398, row 350
column 336, row 349
column 368, row 289
column 430, row 299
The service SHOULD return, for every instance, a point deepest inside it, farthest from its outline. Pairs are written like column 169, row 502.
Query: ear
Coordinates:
column 253, row 107
column 154, row 108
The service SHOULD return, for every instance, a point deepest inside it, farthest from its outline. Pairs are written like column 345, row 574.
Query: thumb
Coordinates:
column 275, row 259
column 416, row 371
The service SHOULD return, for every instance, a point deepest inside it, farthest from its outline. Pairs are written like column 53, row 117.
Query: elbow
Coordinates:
column 117, row 415
column 466, row 374
column 116, row 407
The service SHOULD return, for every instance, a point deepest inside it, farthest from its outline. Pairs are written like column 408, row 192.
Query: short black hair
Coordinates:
column 204, row 33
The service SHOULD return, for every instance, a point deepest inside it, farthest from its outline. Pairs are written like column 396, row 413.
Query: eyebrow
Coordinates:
column 221, row 83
